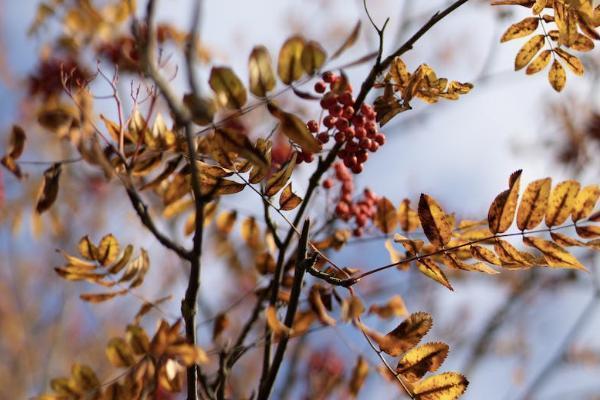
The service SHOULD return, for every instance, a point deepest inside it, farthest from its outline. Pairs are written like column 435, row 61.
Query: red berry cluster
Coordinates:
column 356, row 129
column 347, row 208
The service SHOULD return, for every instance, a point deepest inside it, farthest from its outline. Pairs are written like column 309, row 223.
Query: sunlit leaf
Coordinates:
column 386, row 217
column 557, row 76
column 108, row 250
column 534, row 202
column 359, row 375
column 502, row 210
column 554, row 254
column 289, row 65
column 436, row 223
column 119, row 353
column 445, row 386
column 261, row 75
column 229, row 89
column 313, row 57
column 585, row 202
column 429, row 268
column 422, row 359
column 406, row 335
column 295, row 129
column 522, row 28
column 395, row 307
column 539, row 62
column 528, row 51
column 101, row 297
column 561, row 203
column 407, row 217
column 280, row 178
column 278, row 328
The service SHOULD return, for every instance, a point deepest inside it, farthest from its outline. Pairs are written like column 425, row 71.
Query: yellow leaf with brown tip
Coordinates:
column 534, row 203
column 554, row 254
column 445, row 386
column 502, row 210
column 422, row 359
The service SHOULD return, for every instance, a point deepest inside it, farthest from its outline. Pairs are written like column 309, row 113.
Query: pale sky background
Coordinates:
column 461, row 152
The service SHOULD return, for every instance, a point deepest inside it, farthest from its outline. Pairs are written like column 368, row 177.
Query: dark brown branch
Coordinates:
column 142, row 211
column 192, row 47
column 300, row 268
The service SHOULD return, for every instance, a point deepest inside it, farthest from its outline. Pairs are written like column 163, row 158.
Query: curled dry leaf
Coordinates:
column 295, row 129
column 49, row 189
column 288, row 199
column 359, row 375
column 278, row 180
column 14, row 150
column 395, row 307
column 317, row 305
column 278, row 328
column 119, row 353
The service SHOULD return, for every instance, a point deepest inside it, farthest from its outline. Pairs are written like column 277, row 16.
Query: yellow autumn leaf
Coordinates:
column 250, row 232
column 520, row 29
column 313, row 57
column 502, row 210
column 406, row 335
column 445, row 386
column 554, row 254
column 585, row 202
column 260, row 70
column 574, row 63
column 557, row 76
column 108, row 250
column 386, row 217
column 528, row 51
column 278, row 328
column 289, row 65
column 394, row 307
column 437, row 225
column 407, row 217
column 229, row 89
column 225, row 222
column 422, row 359
column 539, row 62
column 429, row 268
column 119, row 353
column 534, row 203
column 279, row 179
column 359, row 374
column 561, row 202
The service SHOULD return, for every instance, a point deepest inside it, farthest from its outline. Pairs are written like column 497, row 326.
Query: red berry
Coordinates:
column 380, row 139
column 323, row 137
column 366, row 109
column 312, row 126
column 358, row 120
column 339, row 136
column 329, row 121
column 365, row 143
column 361, row 220
column 308, row 157
column 328, row 183
column 348, row 112
column 360, row 133
column 320, row 87
column 374, row 146
column 336, row 110
column 342, row 123
column 351, row 147
column 362, row 156
column 341, row 208
column 328, row 100
column 346, row 99
column 357, row 232
column 328, row 76
column 357, row 168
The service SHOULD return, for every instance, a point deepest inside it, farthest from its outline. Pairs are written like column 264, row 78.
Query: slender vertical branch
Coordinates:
column 192, row 47
column 300, row 268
